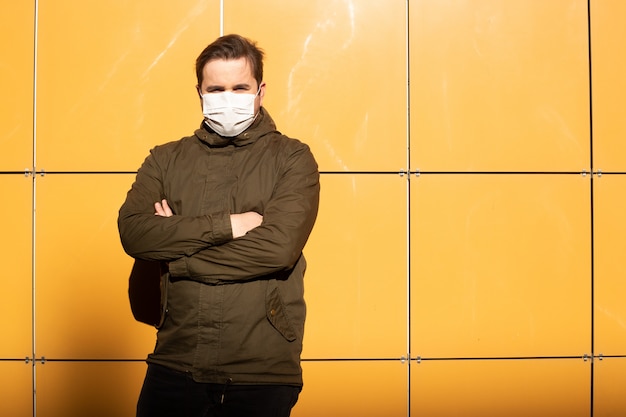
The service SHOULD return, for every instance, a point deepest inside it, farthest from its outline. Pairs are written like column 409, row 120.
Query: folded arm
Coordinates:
column 164, row 238
column 276, row 244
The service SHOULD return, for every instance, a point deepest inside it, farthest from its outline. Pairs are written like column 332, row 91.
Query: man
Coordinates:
column 228, row 212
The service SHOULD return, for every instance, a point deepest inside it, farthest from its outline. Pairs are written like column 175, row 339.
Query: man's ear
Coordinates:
column 261, row 93
column 199, row 91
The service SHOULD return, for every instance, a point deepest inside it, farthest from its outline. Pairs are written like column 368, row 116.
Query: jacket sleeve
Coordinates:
column 147, row 236
column 277, row 243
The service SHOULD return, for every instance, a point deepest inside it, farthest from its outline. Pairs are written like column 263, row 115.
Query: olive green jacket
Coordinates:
column 235, row 307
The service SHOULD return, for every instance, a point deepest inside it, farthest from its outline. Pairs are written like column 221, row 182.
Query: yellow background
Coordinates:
column 468, row 257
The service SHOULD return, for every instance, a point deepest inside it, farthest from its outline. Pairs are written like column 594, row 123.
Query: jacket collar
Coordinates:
column 261, row 126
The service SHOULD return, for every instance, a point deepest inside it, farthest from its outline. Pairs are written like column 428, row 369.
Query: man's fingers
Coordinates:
column 162, row 209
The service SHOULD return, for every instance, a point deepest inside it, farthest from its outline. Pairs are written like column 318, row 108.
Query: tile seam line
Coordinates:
column 34, row 205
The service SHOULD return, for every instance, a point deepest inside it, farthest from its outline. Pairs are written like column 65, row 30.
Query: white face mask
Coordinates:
column 227, row 113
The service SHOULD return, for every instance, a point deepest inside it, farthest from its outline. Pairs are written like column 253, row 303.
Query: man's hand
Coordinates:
column 240, row 223
column 244, row 222
column 162, row 209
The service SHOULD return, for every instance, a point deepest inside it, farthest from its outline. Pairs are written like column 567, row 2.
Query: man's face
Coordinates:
column 234, row 75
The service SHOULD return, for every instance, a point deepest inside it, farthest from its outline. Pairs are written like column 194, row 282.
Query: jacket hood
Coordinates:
column 261, row 126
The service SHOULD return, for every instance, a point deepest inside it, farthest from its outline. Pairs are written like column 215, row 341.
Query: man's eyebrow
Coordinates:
column 216, row 87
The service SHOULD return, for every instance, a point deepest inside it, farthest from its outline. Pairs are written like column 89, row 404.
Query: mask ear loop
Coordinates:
column 255, row 96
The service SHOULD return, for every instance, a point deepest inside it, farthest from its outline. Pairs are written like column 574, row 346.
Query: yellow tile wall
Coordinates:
column 468, row 255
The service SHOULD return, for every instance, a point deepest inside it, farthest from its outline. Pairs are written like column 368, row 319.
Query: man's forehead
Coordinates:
column 239, row 67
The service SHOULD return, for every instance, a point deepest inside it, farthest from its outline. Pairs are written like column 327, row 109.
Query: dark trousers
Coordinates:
column 169, row 393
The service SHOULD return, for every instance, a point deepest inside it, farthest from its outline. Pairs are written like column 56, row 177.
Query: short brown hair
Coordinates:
column 232, row 47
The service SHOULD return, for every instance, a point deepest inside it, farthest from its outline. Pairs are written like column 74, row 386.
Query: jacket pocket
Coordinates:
column 277, row 313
